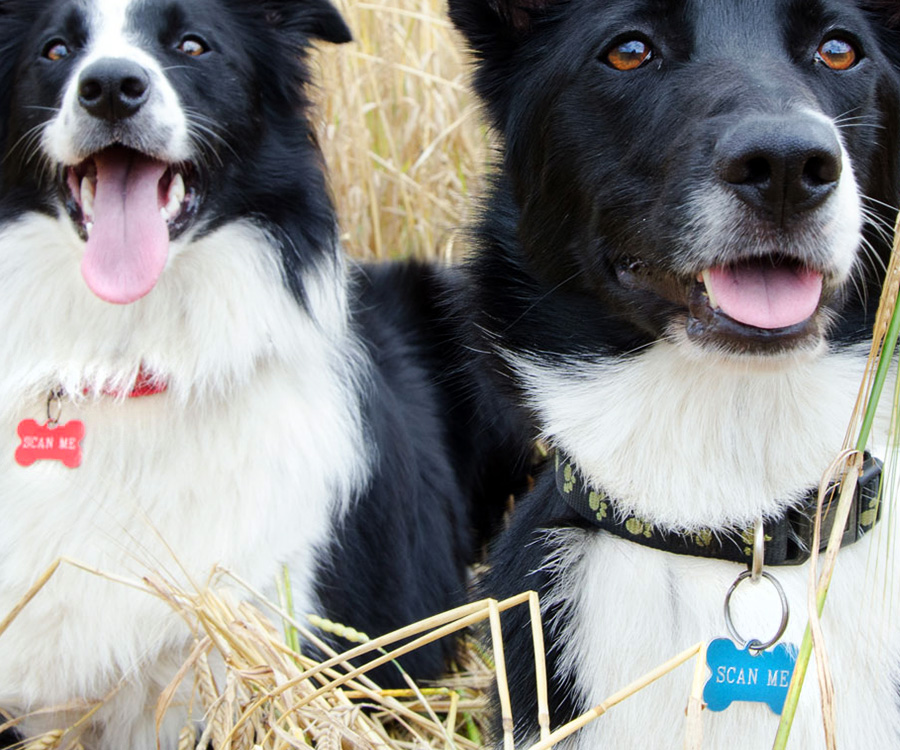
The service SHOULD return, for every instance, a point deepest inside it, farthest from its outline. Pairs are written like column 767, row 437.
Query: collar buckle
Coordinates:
column 865, row 512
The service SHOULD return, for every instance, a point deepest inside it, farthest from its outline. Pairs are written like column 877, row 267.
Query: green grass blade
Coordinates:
column 806, row 646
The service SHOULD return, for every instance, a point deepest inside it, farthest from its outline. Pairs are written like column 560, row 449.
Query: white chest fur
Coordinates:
column 630, row 608
column 688, row 443
column 243, row 462
column 689, row 440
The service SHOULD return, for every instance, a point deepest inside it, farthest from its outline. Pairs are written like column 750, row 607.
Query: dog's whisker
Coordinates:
column 870, row 199
column 873, row 125
column 209, row 138
column 26, row 140
column 543, row 297
column 879, row 225
column 876, row 262
column 39, row 108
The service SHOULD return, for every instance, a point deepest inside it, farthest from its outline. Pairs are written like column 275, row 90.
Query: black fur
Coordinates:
column 594, row 174
column 518, row 564
column 457, row 450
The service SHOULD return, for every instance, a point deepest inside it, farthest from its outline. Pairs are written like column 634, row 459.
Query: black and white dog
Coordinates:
column 678, row 266
column 189, row 374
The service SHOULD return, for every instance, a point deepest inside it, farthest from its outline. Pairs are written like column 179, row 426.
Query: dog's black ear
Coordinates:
column 496, row 31
column 888, row 12
column 489, row 24
column 315, row 19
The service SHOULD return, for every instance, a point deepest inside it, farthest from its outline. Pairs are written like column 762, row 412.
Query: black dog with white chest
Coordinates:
column 677, row 268
column 191, row 375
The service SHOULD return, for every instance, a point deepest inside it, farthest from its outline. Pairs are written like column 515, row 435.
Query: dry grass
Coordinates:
column 248, row 690
column 401, row 132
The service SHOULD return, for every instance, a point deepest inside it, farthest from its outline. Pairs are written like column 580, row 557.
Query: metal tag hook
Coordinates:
column 54, row 408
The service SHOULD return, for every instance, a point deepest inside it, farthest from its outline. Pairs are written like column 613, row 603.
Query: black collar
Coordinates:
column 787, row 539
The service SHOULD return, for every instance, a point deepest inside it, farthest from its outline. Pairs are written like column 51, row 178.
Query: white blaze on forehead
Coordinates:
column 112, row 35
column 107, row 24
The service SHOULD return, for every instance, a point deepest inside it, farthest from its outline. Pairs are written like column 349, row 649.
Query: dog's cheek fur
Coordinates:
column 884, row 178
column 18, row 19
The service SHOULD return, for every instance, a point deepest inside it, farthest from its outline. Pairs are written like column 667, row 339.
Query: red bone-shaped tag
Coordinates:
column 48, row 442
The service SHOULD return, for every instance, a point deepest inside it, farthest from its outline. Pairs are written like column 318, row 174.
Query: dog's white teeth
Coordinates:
column 88, row 190
column 175, row 198
column 88, row 226
column 177, row 189
column 707, row 282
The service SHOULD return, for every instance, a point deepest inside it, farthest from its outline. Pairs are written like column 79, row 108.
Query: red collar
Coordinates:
column 145, row 384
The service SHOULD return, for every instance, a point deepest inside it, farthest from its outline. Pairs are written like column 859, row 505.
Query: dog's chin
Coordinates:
column 710, row 328
column 785, row 311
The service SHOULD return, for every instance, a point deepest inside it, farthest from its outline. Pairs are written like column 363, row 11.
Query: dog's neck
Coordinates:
column 696, row 442
column 145, row 383
column 787, row 539
column 65, row 338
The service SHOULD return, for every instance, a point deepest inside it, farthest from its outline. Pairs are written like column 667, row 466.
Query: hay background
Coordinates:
column 401, row 132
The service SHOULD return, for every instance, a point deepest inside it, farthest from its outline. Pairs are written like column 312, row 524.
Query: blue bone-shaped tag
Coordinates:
column 739, row 675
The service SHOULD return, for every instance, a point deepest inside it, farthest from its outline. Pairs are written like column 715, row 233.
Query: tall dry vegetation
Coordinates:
column 401, row 132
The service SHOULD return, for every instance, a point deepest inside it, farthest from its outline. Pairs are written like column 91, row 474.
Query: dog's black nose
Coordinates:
column 780, row 165
column 113, row 89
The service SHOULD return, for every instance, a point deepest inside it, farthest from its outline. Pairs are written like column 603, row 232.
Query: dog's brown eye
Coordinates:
column 628, row 55
column 193, row 46
column 56, row 50
column 837, row 54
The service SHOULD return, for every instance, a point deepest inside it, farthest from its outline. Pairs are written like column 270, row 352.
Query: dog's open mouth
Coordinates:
column 758, row 304
column 128, row 206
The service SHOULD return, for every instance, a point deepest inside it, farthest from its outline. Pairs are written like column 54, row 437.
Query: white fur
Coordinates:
column 688, row 439
column 243, row 462
column 632, row 608
column 728, row 438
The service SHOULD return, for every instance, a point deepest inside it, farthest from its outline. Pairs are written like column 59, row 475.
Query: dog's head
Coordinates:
column 721, row 173
column 136, row 119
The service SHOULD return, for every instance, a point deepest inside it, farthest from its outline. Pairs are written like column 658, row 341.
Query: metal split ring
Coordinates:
column 755, row 644
column 54, row 408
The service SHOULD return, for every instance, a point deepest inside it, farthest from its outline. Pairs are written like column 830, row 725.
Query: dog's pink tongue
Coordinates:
column 766, row 296
column 129, row 243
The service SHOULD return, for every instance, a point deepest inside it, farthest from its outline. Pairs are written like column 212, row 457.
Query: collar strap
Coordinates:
column 145, row 384
column 788, row 539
